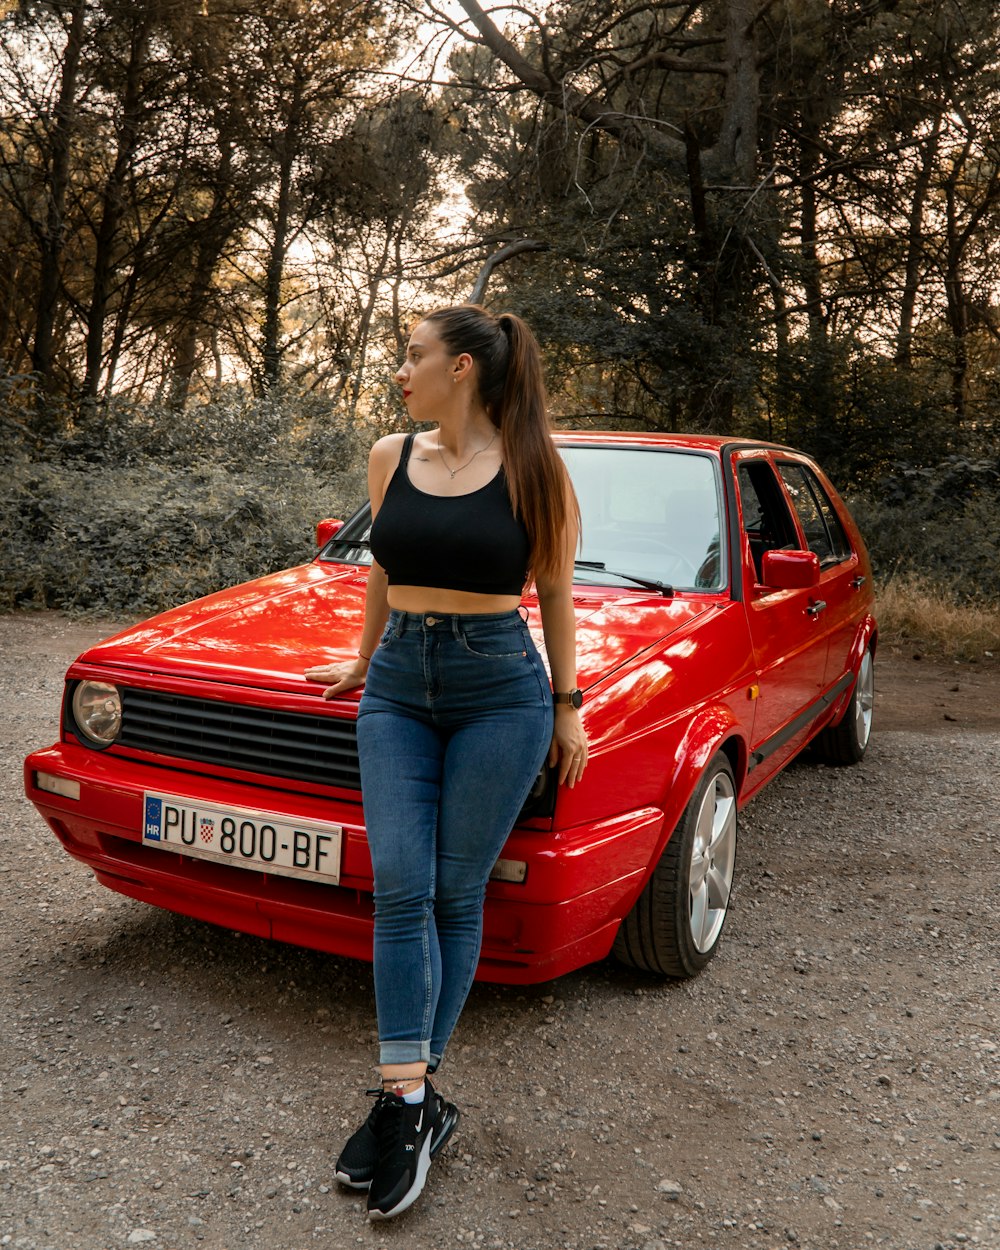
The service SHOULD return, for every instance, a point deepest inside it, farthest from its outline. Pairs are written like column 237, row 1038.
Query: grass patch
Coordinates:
column 913, row 610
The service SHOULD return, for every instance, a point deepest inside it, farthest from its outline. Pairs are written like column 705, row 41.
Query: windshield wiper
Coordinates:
column 648, row 583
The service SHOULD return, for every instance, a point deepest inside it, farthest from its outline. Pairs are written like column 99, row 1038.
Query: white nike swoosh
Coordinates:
column 420, row 1121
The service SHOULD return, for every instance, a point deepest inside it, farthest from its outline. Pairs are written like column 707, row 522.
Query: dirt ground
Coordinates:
column 830, row 1082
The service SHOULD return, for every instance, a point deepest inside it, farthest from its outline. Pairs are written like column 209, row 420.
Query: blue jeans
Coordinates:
column 454, row 724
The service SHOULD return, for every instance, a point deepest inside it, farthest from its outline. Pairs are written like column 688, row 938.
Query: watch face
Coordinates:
column 576, row 698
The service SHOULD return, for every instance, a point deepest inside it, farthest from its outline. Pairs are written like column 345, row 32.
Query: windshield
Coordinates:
column 648, row 514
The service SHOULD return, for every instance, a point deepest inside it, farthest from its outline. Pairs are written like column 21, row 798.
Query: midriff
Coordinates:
column 448, row 602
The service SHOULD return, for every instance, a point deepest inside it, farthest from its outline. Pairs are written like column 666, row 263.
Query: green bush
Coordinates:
column 143, row 508
column 938, row 524
column 154, row 509
column 241, row 431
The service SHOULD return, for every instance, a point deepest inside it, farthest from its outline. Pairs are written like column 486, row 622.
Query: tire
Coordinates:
column 846, row 742
column 674, row 928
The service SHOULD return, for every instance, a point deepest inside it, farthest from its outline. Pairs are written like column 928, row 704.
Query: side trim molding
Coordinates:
column 778, row 740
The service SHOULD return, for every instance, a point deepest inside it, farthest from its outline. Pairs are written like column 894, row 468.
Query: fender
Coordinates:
column 867, row 636
column 714, row 725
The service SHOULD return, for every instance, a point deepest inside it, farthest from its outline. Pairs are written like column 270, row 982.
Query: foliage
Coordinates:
column 938, row 526
column 776, row 219
column 161, row 512
column 781, row 214
column 156, row 187
column 855, row 411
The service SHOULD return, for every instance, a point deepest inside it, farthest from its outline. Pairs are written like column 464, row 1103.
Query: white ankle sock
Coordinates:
column 416, row 1095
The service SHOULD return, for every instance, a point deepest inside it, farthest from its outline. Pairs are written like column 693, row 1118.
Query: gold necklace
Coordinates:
column 451, row 471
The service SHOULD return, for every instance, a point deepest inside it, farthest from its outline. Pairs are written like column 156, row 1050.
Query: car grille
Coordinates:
column 321, row 749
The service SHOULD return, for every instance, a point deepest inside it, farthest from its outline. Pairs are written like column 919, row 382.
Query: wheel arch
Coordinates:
column 866, row 639
column 655, row 934
column 714, row 729
column 736, row 751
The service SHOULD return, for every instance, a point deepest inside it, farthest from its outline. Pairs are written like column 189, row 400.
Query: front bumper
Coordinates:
column 579, row 882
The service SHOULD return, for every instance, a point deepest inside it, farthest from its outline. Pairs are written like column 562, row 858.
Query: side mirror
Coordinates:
column 325, row 530
column 790, row 570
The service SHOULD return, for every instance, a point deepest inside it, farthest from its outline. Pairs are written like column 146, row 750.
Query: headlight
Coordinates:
column 97, row 710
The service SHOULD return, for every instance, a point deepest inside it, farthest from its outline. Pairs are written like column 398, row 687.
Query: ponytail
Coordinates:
column 536, row 476
column 512, row 388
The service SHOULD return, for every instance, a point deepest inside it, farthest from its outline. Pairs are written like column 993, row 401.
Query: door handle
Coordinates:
column 858, row 582
column 816, row 607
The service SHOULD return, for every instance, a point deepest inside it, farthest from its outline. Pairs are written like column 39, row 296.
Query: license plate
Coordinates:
column 243, row 838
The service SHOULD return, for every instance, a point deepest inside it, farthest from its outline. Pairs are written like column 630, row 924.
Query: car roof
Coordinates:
column 713, row 443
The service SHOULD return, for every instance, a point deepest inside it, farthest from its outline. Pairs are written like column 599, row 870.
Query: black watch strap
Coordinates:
column 573, row 697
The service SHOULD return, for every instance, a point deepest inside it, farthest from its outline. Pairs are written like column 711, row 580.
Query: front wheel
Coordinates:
column 847, row 741
column 675, row 925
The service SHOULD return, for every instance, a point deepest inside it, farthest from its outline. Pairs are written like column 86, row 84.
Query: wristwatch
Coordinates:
column 573, row 697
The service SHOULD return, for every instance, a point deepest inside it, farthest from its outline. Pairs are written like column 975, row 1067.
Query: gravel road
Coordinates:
column 831, row 1082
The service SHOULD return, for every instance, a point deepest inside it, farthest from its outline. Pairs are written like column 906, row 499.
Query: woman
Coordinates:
column 457, row 716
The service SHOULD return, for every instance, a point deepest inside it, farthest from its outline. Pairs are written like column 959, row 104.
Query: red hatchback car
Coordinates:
column 724, row 620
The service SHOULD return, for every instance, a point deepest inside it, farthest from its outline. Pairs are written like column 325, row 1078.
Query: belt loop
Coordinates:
column 456, row 628
column 400, row 628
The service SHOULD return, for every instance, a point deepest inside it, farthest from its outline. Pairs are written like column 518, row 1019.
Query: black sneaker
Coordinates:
column 404, row 1132
column 356, row 1165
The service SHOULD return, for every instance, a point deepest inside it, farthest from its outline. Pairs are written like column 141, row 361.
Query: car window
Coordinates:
column 820, row 523
column 767, row 521
column 649, row 512
column 350, row 544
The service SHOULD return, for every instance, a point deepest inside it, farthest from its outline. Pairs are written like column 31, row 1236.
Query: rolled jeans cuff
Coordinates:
column 404, row 1052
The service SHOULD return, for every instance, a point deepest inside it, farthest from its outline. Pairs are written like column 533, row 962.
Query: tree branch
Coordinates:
column 498, row 258
column 621, row 125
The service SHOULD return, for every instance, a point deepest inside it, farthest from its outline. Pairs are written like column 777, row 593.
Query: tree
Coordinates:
column 377, row 186
column 660, row 117
column 310, row 63
column 744, row 200
column 41, row 124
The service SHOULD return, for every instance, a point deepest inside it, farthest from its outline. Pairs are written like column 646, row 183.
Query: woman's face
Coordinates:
column 428, row 374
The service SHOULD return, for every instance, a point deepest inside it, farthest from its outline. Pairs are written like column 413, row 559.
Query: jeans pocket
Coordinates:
column 495, row 644
column 388, row 635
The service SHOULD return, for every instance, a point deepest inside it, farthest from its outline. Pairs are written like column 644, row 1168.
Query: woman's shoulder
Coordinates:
column 387, row 449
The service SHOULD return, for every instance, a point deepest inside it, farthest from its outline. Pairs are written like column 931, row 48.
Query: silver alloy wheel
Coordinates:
column 864, row 700
column 713, row 862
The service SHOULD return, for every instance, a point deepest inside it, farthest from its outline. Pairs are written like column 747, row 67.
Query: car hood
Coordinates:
column 266, row 632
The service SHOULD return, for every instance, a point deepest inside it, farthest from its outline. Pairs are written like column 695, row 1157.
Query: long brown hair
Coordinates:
column 512, row 388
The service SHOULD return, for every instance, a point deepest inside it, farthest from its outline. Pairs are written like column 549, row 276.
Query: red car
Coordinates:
column 724, row 621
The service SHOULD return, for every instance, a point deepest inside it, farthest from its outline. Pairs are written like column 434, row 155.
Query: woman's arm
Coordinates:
column 382, row 461
column 568, row 751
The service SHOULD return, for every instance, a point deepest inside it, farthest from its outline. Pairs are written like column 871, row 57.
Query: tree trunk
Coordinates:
column 957, row 315
column 271, row 346
column 812, row 283
column 734, row 156
column 112, row 211
column 214, row 231
column 363, row 334
column 52, row 239
column 915, row 250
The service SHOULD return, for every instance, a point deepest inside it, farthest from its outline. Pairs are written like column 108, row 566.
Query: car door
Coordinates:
column 841, row 575
column 789, row 643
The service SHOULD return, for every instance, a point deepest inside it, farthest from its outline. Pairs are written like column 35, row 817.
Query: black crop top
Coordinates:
column 456, row 542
